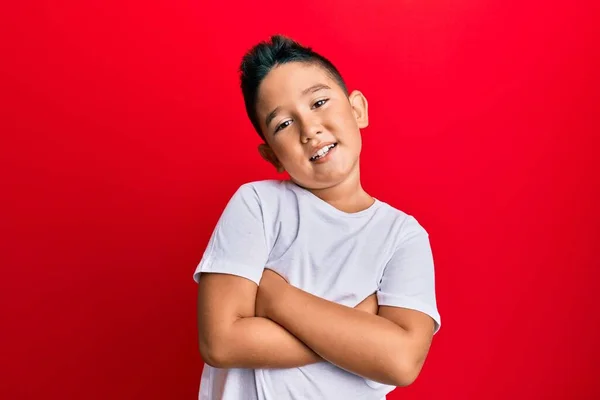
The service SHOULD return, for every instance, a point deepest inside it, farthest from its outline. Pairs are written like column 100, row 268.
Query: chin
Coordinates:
column 326, row 179
column 320, row 184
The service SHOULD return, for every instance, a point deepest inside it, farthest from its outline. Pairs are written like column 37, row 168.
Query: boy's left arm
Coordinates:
column 389, row 347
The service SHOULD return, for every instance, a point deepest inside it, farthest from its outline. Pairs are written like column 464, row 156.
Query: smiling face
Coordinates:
column 311, row 127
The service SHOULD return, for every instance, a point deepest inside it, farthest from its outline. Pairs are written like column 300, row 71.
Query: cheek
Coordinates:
column 342, row 123
column 288, row 151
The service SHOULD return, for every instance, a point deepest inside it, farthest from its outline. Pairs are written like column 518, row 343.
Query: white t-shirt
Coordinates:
column 342, row 257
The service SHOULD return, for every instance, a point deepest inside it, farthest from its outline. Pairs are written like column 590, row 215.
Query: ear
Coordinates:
column 267, row 153
column 360, row 107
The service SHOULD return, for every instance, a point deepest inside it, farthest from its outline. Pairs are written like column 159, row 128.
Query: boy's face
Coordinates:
column 311, row 127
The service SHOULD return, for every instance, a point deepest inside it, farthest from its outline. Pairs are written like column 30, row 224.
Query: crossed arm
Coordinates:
column 275, row 325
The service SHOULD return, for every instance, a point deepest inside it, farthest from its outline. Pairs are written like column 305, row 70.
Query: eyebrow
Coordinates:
column 312, row 89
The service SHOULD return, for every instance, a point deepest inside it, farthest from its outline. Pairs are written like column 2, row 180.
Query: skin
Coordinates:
column 304, row 123
column 275, row 325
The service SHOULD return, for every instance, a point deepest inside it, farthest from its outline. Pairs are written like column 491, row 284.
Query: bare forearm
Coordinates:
column 365, row 344
column 256, row 342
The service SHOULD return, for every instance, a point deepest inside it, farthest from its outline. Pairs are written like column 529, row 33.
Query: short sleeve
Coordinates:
column 237, row 245
column 408, row 279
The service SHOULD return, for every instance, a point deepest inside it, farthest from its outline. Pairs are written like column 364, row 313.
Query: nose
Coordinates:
column 309, row 131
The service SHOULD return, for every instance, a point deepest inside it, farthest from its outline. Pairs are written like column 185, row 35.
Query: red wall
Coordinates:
column 124, row 134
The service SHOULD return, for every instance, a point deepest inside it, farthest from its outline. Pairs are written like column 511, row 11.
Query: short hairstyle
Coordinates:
column 266, row 55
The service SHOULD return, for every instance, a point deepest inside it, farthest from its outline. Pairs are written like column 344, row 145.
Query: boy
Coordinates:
column 311, row 288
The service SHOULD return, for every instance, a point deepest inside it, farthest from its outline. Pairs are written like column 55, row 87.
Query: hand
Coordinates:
column 369, row 304
column 269, row 289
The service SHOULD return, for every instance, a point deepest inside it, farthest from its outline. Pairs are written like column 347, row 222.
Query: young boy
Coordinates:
column 311, row 288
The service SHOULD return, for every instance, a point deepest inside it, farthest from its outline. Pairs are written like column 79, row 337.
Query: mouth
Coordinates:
column 322, row 152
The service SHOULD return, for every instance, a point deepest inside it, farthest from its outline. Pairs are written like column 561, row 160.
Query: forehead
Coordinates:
column 286, row 82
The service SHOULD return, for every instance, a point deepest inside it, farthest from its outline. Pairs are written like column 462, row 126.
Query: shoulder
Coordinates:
column 263, row 190
column 261, row 193
column 406, row 224
column 265, row 186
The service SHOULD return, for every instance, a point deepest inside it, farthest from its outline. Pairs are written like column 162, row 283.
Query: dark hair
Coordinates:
column 265, row 56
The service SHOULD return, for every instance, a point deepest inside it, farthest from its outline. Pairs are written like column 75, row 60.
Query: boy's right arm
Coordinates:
column 230, row 336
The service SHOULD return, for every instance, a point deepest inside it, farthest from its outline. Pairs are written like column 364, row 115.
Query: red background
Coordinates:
column 124, row 135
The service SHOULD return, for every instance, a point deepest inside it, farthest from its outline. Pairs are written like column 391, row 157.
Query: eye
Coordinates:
column 283, row 125
column 320, row 103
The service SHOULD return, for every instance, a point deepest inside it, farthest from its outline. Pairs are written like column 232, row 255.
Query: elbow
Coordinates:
column 212, row 354
column 210, row 358
column 405, row 373
column 216, row 346
column 406, row 378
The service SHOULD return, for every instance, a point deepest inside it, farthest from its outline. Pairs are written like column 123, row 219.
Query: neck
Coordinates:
column 348, row 195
